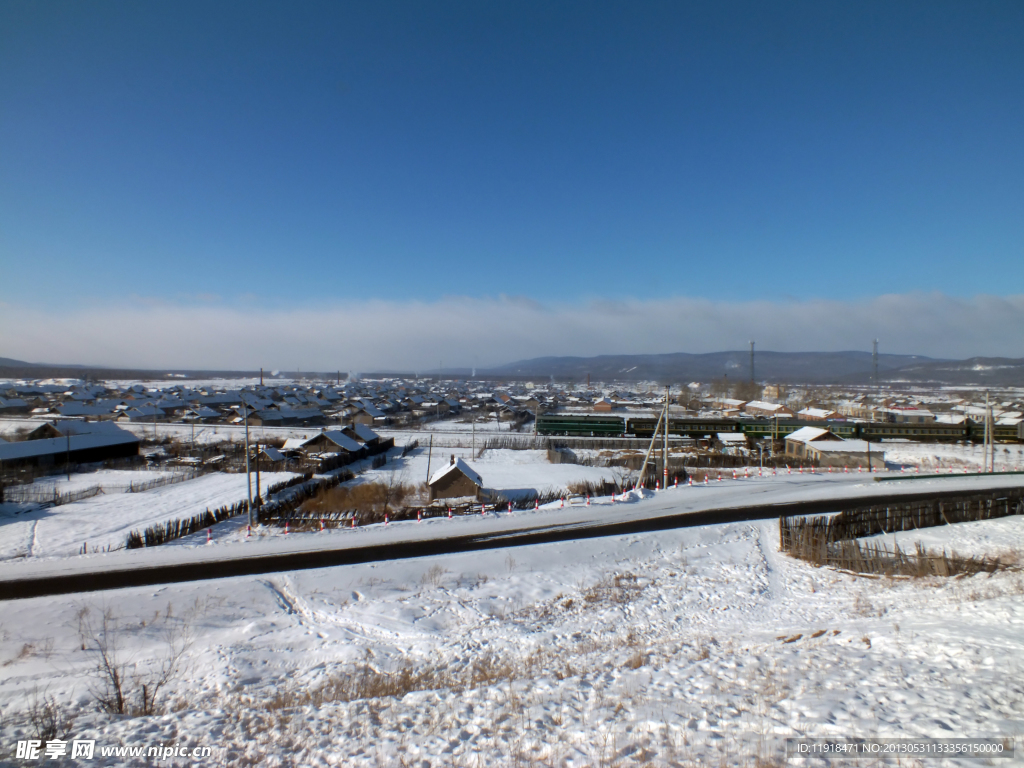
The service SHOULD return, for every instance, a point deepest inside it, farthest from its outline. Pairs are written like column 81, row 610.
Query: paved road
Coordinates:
column 96, row 580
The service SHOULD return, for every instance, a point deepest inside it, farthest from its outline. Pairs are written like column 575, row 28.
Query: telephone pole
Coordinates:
column 248, row 477
column 664, row 453
column 874, row 362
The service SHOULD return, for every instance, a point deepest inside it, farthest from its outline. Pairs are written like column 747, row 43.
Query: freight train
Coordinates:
column 555, row 424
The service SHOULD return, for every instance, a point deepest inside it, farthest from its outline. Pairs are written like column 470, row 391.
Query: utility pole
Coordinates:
column 990, row 443
column 248, row 477
column 259, row 498
column 874, row 362
column 430, row 453
column 664, row 453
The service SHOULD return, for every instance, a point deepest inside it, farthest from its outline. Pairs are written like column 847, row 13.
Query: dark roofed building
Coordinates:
column 76, row 449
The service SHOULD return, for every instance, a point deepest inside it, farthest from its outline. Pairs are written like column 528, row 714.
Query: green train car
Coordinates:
column 581, row 426
column 643, row 427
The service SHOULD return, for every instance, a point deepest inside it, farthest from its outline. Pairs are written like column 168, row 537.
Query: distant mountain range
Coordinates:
column 778, row 367
column 676, row 367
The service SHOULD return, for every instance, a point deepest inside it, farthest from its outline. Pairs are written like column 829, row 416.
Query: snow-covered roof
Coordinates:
column 364, row 433
column 272, row 453
column 761, row 405
column 731, row 437
column 337, row 437
column 56, row 445
column 68, row 427
column 815, row 413
column 807, row 434
column 462, row 467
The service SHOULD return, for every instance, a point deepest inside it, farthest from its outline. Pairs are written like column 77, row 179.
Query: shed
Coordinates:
column 796, row 442
column 456, row 480
column 845, row 453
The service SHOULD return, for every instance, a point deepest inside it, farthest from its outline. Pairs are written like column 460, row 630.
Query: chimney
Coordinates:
column 453, row 458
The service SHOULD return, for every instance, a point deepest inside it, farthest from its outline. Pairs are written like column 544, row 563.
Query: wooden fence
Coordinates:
column 833, row 541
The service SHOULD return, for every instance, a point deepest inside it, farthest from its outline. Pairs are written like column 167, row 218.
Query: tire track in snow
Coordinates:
column 32, row 541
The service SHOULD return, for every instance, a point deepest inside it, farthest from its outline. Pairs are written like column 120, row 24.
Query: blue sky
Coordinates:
column 290, row 157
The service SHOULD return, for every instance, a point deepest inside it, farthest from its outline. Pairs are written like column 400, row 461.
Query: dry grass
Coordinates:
column 620, row 589
column 370, row 500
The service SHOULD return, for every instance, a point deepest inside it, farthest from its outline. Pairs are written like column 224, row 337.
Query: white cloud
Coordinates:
column 461, row 331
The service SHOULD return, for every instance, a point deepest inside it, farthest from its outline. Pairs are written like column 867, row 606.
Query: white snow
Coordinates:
column 701, row 646
column 105, row 520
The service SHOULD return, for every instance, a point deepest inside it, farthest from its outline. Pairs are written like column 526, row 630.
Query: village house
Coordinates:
column 762, row 409
column 456, row 480
column 818, row 414
column 845, row 453
column 797, row 442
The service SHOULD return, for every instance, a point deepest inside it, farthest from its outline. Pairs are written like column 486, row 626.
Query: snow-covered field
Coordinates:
column 1009, row 456
column 28, row 532
column 701, row 646
column 110, row 480
column 512, row 473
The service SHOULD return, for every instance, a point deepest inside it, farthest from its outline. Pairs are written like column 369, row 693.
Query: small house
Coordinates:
column 456, row 480
column 797, row 442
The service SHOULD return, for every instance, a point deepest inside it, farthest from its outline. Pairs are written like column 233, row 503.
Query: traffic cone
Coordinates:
column 657, row 485
column 353, row 521
column 449, row 513
column 734, row 474
column 483, row 509
column 675, row 484
column 705, row 479
column 561, row 503
column 321, row 525
column 536, row 503
column 208, row 537
column 285, row 527
column 385, row 518
column 690, row 479
column 588, row 499
column 419, row 515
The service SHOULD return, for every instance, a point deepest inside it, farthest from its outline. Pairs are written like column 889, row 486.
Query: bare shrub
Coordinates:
column 434, row 576
column 122, row 686
column 49, row 719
